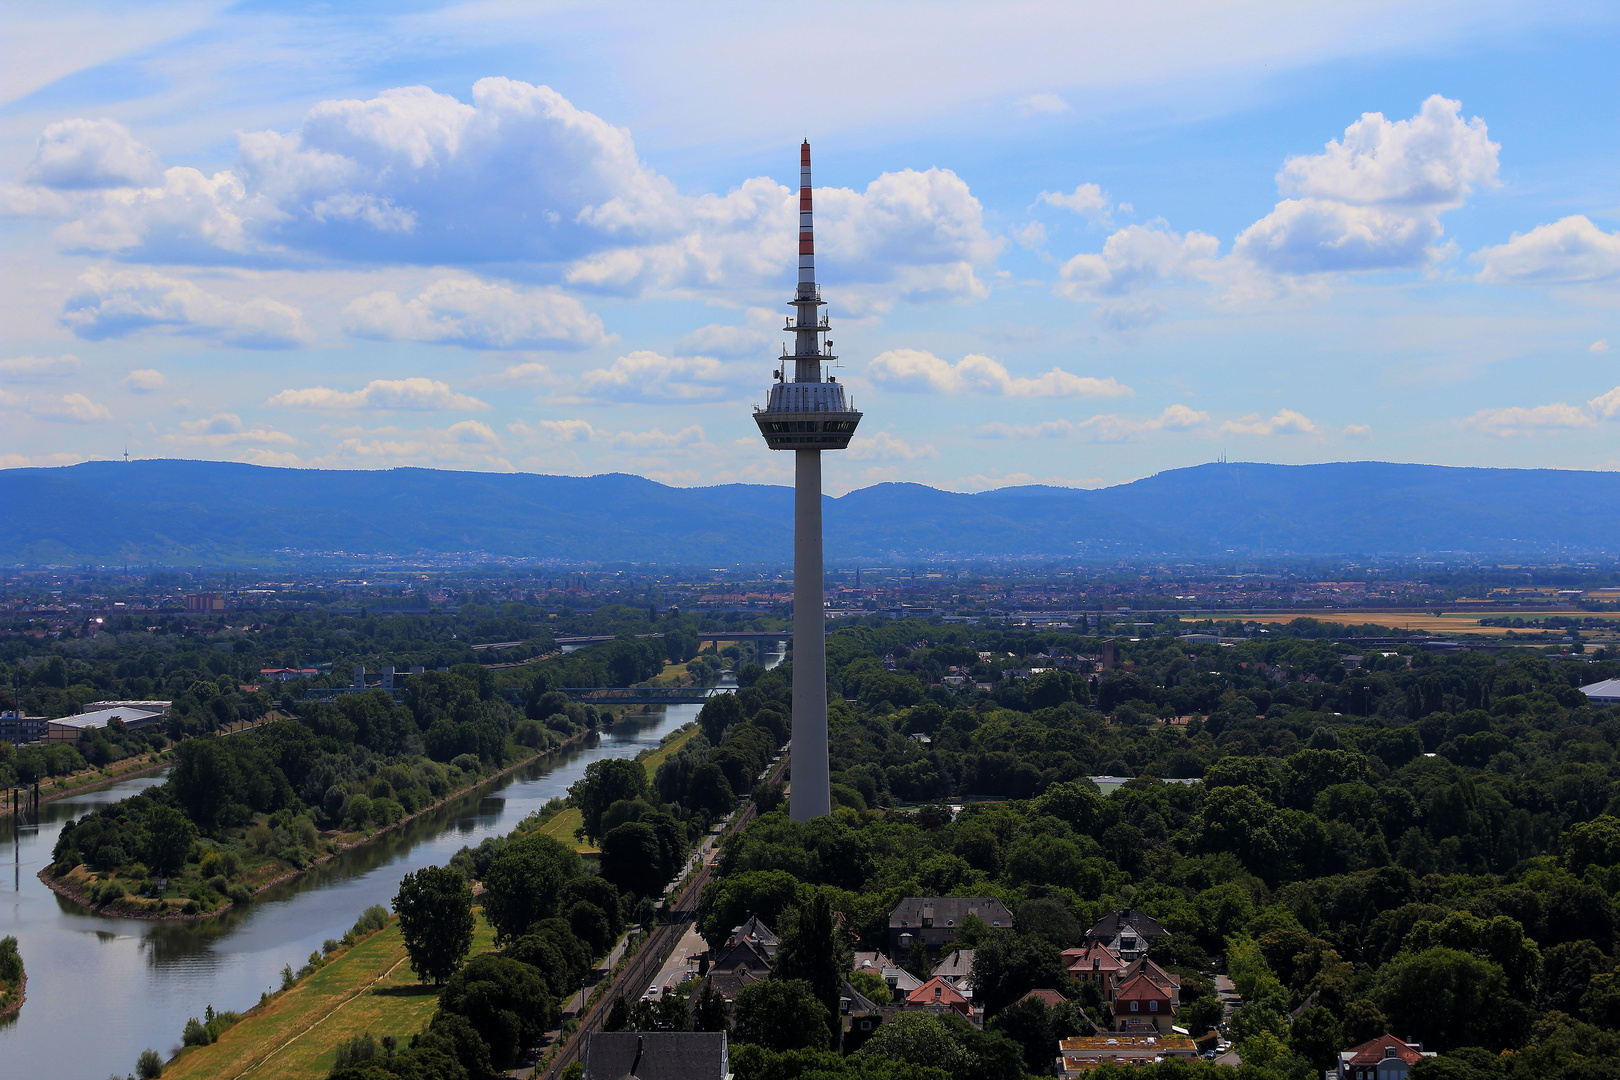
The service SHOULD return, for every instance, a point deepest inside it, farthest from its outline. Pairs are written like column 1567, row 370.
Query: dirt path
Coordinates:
column 333, row 1011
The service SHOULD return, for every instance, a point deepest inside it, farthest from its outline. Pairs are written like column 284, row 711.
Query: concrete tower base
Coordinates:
column 811, row 797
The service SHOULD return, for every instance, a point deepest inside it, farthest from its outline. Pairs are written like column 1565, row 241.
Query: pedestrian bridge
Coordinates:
column 643, row 695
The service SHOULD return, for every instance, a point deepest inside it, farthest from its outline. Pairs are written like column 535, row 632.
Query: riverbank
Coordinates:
column 10, row 1008
column 135, row 908
column 96, row 779
column 86, row 780
column 368, row 989
column 563, row 825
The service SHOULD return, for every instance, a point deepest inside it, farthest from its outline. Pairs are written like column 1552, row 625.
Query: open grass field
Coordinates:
column 1451, row 622
column 295, row 1035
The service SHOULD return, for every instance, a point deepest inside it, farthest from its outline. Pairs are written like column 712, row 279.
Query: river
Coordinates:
column 100, row 990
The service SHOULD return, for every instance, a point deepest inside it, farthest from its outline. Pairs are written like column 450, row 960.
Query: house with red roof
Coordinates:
column 1095, row 963
column 1140, row 998
column 1383, row 1058
column 937, row 993
column 1051, row 997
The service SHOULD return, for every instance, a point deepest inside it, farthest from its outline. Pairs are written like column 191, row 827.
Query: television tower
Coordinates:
column 807, row 415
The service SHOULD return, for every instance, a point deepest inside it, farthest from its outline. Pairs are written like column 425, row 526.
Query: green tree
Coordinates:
column 524, row 883
column 812, row 952
column 1443, row 997
column 11, row 965
column 1008, row 965
column 918, row 1039
column 505, row 1001
column 149, row 1066
column 618, row 1017
column 709, row 1012
column 1316, row 1037
column 169, row 837
column 633, row 859
column 780, row 1014
column 605, row 783
column 719, row 713
column 436, row 919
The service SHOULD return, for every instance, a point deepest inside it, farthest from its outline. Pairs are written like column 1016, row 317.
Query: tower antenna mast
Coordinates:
column 808, row 415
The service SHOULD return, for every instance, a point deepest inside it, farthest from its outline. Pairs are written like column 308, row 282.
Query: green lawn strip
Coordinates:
column 369, row 988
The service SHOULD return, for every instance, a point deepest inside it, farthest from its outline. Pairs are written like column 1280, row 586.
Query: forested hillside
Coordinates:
column 223, row 513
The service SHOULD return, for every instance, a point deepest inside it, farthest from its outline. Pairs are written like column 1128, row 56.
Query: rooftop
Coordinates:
column 948, row 911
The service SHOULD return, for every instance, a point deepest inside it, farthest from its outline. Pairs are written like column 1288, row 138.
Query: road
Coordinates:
column 650, row 962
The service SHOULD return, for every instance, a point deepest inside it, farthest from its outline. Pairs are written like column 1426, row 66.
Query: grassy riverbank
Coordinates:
column 562, row 826
column 197, row 893
column 368, row 989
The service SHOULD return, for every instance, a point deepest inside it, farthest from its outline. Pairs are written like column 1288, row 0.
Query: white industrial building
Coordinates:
column 1606, row 692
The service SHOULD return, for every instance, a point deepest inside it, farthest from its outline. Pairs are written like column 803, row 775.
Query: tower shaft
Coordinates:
column 808, row 415
column 812, row 794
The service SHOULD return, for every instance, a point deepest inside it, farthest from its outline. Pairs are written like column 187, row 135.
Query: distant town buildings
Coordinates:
column 205, row 603
column 19, row 730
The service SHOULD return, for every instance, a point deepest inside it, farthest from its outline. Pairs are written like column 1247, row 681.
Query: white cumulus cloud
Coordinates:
column 1105, row 427
column 114, row 303
column 477, row 314
column 31, row 368
column 1373, row 200
column 645, row 375
column 145, row 380
column 82, row 153
column 518, row 176
column 1567, row 251
column 1285, row 422
column 1358, row 432
column 1136, row 257
column 414, row 394
column 225, row 429
column 883, row 446
column 917, row 370
column 66, row 408
column 1557, row 416
column 1087, row 200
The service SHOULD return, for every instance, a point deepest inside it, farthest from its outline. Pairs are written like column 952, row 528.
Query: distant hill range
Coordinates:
column 219, row 513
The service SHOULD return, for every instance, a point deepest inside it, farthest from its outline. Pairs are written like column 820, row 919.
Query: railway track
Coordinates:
column 649, row 959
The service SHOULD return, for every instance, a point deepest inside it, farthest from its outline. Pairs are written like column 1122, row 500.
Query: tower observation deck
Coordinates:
column 808, row 414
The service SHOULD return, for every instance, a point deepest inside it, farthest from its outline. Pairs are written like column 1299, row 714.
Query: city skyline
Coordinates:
column 1072, row 247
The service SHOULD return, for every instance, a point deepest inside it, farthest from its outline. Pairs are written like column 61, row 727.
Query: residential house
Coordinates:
column 901, row 982
column 1141, row 998
column 1383, row 1058
column 656, row 1055
column 933, row 921
column 742, row 954
column 1127, row 932
column 956, row 968
column 754, row 930
column 1052, row 998
column 1144, row 966
column 1083, row 1053
column 1095, row 963
column 937, row 993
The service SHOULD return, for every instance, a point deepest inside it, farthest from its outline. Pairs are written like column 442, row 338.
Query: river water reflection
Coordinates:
column 100, row 990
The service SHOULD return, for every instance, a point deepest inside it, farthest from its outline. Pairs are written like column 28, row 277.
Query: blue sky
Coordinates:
column 1073, row 244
